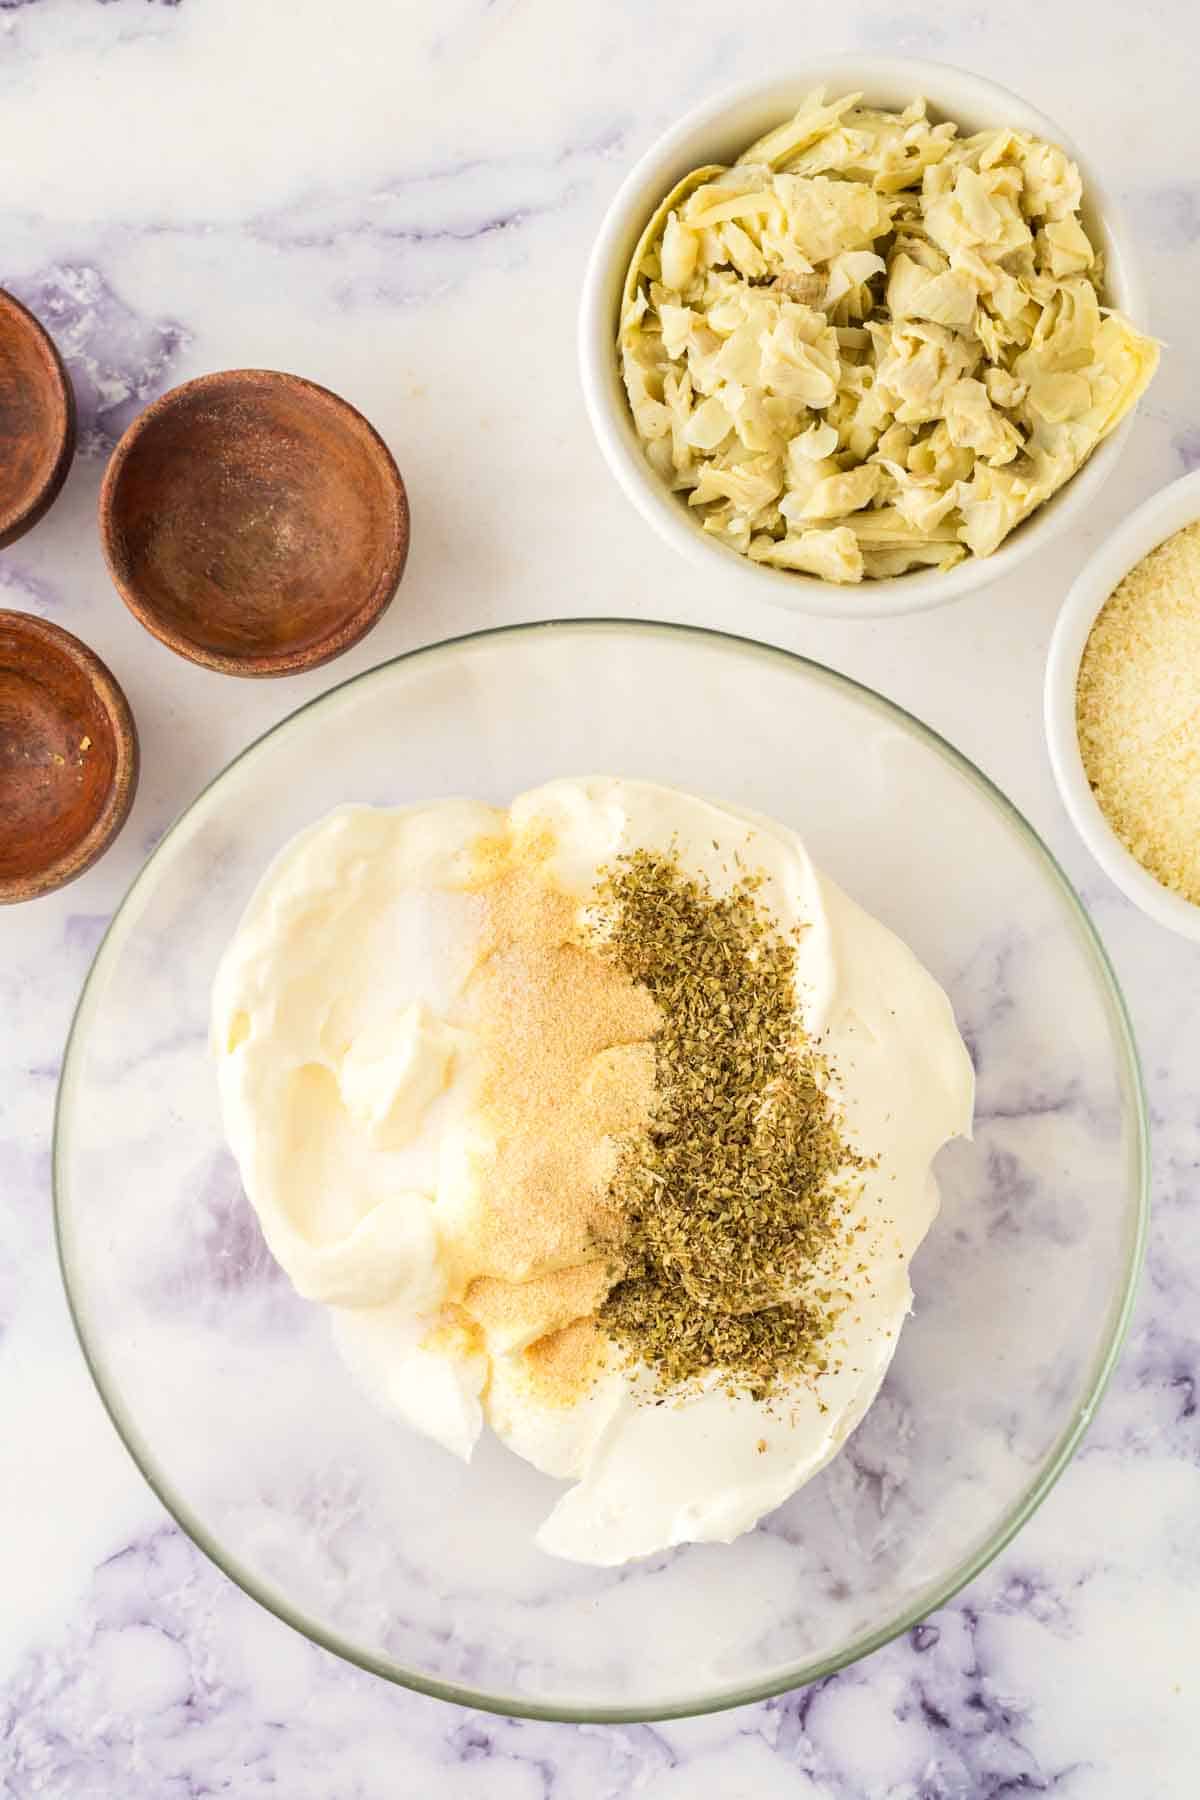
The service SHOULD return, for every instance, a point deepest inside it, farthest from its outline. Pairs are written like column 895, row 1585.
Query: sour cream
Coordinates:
column 349, row 1086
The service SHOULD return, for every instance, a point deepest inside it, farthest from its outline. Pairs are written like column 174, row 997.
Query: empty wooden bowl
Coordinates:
column 37, row 421
column 68, row 757
column 254, row 522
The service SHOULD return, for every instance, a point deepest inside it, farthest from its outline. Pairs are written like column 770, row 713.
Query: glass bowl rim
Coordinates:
column 935, row 1594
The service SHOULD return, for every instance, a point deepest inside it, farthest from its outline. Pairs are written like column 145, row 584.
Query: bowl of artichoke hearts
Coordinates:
column 862, row 338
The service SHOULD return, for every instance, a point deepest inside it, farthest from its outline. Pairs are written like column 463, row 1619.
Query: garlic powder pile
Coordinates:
column 1138, row 712
column 873, row 344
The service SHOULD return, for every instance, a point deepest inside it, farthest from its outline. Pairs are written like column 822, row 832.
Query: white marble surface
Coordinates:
column 396, row 198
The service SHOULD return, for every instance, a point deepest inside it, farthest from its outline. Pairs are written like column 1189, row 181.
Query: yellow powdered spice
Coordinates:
column 563, row 1364
column 514, row 1314
column 1138, row 712
column 568, row 1072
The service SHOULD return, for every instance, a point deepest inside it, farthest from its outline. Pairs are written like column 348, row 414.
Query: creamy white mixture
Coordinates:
column 349, row 1101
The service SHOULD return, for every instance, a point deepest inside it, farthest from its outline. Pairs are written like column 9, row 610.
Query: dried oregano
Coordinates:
column 731, row 1202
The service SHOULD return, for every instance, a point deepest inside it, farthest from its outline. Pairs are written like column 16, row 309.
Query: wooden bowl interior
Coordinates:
column 253, row 518
column 35, row 420
column 58, row 754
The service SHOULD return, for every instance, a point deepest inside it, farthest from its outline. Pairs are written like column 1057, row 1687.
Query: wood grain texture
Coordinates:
column 68, row 757
column 37, row 421
column 254, row 522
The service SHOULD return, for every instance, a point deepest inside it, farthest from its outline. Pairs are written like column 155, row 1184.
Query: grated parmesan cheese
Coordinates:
column 1138, row 711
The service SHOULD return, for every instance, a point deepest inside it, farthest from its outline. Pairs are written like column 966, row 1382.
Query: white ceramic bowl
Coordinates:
column 1160, row 517
column 718, row 131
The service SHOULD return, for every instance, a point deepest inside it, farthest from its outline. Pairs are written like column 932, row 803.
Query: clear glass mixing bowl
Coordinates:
column 380, row 1546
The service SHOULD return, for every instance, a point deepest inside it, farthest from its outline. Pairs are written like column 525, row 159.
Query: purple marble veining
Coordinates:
column 82, row 933
column 1172, row 214
column 23, row 589
column 189, row 1682
column 427, row 232
column 1187, row 448
column 117, row 359
column 15, row 5
column 227, row 1250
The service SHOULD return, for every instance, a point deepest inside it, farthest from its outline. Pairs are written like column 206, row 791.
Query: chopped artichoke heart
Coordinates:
column 680, row 249
column 833, row 555
column 749, row 486
column 709, row 425
column 872, row 344
column 837, row 495
column 808, row 126
column 818, row 442
column 886, row 525
column 973, row 423
column 946, row 299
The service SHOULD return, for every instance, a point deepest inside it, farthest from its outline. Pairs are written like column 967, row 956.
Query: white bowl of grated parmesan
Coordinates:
column 792, row 545
column 1122, row 706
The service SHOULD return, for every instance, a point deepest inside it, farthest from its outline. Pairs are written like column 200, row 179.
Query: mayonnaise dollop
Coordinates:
column 349, row 1089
